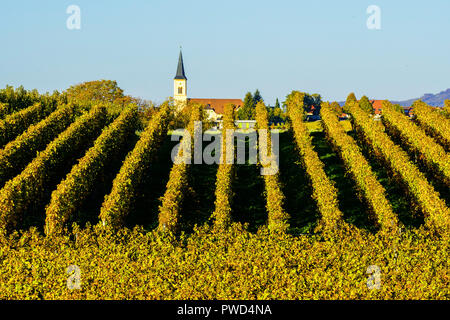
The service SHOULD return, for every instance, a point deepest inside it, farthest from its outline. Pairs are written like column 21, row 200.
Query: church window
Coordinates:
column 180, row 90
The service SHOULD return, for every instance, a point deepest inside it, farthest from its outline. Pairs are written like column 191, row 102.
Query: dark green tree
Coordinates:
column 316, row 102
column 257, row 98
column 365, row 104
column 276, row 113
column 247, row 111
column 277, row 104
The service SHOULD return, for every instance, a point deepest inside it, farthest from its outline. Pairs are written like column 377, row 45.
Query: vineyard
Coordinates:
column 94, row 187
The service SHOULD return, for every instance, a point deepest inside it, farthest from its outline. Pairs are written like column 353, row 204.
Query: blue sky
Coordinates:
column 230, row 47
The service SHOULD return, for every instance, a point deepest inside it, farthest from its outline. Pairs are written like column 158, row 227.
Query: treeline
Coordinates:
column 278, row 113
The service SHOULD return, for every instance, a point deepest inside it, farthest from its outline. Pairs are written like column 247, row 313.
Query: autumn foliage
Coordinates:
column 434, row 124
column 20, row 151
column 119, row 202
column 432, row 153
column 225, row 173
column 28, row 188
column 169, row 210
column 437, row 214
column 81, row 180
column 324, row 191
column 278, row 218
column 358, row 167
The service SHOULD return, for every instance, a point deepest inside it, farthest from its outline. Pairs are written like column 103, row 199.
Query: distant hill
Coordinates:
column 436, row 100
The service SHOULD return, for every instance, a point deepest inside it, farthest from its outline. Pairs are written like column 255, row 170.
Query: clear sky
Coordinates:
column 230, row 47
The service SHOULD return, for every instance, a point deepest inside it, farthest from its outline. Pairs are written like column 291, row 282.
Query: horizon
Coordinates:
column 230, row 49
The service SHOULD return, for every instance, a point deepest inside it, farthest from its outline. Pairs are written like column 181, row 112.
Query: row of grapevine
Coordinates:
column 14, row 124
column 27, row 189
column 433, row 154
column 4, row 110
column 436, row 212
column 278, row 218
column 19, row 98
column 81, row 180
column 119, row 202
column 169, row 210
column 19, row 152
column 360, row 170
column 324, row 191
column 225, row 173
column 446, row 109
column 435, row 124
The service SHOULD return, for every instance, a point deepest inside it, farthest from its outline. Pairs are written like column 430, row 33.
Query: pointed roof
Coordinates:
column 180, row 70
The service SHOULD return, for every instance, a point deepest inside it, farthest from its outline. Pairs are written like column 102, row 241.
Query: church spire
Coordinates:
column 180, row 70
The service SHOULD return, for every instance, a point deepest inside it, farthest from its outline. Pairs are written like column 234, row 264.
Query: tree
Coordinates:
column 365, row 104
column 277, row 104
column 275, row 114
column 316, row 102
column 247, row 111
column 398, row 108
column 101, row 91
column 257, row 98
column 351, row 98
column 308, row 102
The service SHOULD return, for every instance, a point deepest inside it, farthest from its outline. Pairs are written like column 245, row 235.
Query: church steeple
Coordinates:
column 180, row 84
column 180, row 70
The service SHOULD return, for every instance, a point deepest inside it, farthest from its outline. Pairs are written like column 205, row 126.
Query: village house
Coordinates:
column 377, row 107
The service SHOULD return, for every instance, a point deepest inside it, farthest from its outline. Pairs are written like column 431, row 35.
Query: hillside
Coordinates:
column 436, row 100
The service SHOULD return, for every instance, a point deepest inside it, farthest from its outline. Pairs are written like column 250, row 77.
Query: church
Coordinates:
column 213, row 107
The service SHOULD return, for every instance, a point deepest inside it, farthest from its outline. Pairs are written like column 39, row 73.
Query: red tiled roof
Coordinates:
column 377, row 105
column 218, row 105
